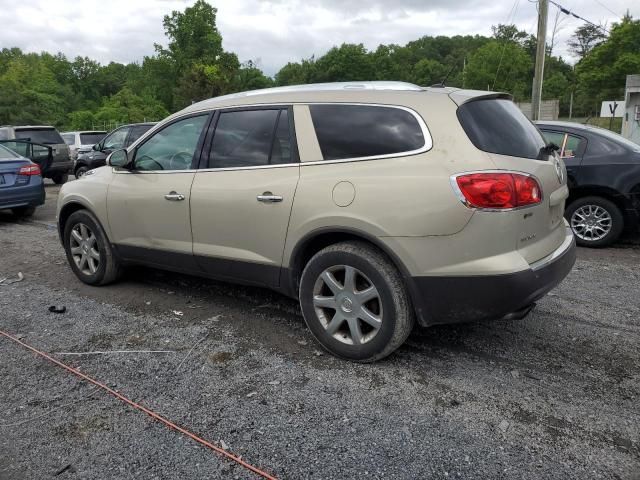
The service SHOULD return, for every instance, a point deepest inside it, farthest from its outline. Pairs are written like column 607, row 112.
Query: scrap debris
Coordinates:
column 9, row 281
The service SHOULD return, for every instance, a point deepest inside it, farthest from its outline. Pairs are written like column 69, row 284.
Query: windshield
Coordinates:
column 499, row 126
column 40, row 135
column 91, row 138
column 616, row 138
column 6, row 154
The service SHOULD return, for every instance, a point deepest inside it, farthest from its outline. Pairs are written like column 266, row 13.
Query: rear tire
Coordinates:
column 354, row 302
column 60, row 178
column 80, row 171
column 24, row 212
column 89, row 251
column 595, row 221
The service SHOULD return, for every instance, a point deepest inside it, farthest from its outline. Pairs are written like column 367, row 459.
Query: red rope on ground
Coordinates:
column 137, row 406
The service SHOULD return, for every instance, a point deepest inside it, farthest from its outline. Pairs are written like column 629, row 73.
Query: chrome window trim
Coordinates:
column 428, row 139
column 463, row 200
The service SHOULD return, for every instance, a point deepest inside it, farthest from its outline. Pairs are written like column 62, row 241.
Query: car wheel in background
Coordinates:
column 23, row 212
column 88, row 250
column 354, row 302
column 60, row 178
column 80, row 171
column 595, row 221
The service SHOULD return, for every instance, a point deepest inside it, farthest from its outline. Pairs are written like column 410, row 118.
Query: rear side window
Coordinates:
column 250, row 138
column 357, row 131
column 498, row 126
column 40, row 135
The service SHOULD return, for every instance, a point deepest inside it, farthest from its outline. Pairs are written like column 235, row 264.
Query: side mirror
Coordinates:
column 118, row 158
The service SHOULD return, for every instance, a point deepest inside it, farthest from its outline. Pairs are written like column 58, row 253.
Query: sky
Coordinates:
column 274, row 32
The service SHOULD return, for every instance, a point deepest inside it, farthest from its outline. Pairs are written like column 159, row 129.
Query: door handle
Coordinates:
column 268, row 197
column 174, row 196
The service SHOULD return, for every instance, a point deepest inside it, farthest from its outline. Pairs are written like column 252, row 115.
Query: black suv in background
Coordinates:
column 119, row 138
column 603, row 171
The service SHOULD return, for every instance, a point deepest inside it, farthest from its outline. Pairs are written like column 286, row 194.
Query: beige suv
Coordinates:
column 377, row 205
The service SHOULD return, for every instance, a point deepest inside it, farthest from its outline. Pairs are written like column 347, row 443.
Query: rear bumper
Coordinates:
column 442, row 300
column 22, row 196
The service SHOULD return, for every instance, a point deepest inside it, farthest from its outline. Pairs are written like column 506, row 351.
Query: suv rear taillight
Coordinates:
column 498, row 190
column 29, row 170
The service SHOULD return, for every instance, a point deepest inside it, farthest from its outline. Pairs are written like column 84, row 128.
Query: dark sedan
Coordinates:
column 21, row 184
column 603, row 171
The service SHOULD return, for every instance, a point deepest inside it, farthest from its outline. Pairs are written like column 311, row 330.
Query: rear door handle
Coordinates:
column 268, row 197
column 174, row 196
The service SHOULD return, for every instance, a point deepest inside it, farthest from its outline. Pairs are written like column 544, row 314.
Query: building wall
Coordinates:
column 549, row 109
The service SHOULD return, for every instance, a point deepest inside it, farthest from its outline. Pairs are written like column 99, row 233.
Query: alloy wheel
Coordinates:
column 591, row 223
column 84, row 249
column 347, row 304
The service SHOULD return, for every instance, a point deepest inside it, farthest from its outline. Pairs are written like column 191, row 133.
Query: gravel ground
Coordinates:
column 555, row 395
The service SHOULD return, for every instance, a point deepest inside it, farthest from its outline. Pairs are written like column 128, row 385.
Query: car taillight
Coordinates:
column 498, row 190
column 29, row 170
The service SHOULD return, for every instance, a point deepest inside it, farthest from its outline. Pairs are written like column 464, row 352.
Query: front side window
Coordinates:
column 173, row 147
column 116, row 139
column 250, row 138
column 356, row 131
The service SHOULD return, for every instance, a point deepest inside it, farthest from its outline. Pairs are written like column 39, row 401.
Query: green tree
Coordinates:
column 503, row 66
column 585, row 38
column 602, row 72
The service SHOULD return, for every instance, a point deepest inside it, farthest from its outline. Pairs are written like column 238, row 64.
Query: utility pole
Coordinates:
column 536, row 94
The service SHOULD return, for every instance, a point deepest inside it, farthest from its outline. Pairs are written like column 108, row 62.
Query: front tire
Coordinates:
column 80, row 171
column 595, row 221
column 89, row 251
column 354, row 302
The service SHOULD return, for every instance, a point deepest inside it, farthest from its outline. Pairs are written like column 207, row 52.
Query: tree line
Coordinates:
column 81, row 93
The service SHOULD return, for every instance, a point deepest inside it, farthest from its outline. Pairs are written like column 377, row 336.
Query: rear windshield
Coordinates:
column 40, row 135
column 498, row 126
column 91, row 138
column 6, row 154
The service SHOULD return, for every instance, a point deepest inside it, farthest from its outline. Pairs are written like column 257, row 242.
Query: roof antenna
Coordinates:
column 441, row 84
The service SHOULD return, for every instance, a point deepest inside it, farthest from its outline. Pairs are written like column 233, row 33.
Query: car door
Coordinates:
column 241, row 201
column 148, row 203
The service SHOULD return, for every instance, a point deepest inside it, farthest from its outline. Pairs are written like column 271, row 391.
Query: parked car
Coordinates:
column 81, row 141
column 375, row 204
column 21, row 185
column 95, row 156
column 604, row 181
column 46, row 135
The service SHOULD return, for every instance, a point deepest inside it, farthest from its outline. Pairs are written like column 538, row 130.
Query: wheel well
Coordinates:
column 611, row 195
column 309, row 247
column 65, row 213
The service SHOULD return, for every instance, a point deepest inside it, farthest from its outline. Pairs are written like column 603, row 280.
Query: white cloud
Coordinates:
column 272, row 31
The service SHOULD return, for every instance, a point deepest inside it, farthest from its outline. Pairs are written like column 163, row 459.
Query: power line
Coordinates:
column 575, row 15
column 511, row 17
column 607, row 8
